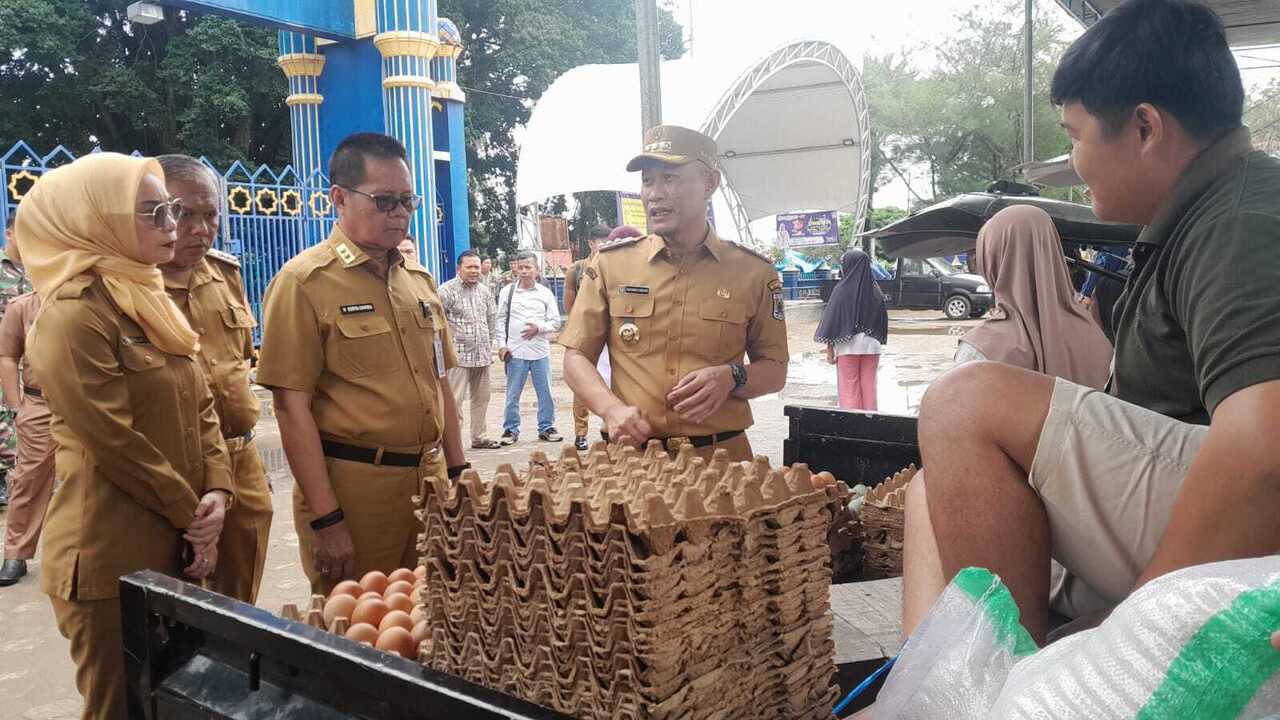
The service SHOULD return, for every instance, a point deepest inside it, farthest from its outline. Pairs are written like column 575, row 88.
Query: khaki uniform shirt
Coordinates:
column 14, row 327
column 371, row 351
column 214, row 302
column 138, row 444
column 662, row 319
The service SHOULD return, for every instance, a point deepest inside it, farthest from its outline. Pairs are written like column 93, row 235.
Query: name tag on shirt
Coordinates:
column 439, row 345
column 356, row 309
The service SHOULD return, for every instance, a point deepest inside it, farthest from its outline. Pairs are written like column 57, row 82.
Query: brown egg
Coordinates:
column 395, row 618
column 338, row 606
column 363, row 633
column 418, row 614
column 421, row 632
column 400, row 602
column 402, row 575
column 370, row 611
column 399, row 586
column 369, row 596
column 374, row 581
column 347, row 587
column 399, row 641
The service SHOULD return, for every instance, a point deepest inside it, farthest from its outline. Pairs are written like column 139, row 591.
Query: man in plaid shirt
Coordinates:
column 471, row 311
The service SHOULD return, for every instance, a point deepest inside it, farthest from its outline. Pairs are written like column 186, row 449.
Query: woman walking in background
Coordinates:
column 1037, row 322
column 854, row 326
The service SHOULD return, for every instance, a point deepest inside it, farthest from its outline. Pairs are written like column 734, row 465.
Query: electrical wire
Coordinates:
column 862, row 686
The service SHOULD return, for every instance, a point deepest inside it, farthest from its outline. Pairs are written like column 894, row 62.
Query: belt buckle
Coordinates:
column 377, row 456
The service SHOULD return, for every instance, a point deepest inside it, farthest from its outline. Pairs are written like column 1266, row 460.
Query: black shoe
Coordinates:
column 508, row 438
column 12, row 571
column 550, row 435
column 580, row 443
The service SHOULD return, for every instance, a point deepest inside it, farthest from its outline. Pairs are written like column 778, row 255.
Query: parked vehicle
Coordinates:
column 932, row 284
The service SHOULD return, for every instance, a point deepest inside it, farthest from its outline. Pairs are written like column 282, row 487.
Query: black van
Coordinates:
column 932, row 284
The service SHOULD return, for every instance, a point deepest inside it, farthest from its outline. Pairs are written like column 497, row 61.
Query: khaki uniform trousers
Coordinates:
column 377, row 501
column 30, row 481
column 473, row 382
column 580, row 417
column 242, row 549
column 93, row 627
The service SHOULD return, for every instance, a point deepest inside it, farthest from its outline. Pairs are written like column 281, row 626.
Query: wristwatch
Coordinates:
column 739, row 375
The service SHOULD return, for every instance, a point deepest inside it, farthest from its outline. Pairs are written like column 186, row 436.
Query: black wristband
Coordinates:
column 457, row 470
column 329, row 520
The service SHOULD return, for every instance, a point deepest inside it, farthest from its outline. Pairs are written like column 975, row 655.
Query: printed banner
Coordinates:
column 808, row 229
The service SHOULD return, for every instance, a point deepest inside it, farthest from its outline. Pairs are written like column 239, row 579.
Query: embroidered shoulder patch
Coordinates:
column 778, row 313
column 775, row 285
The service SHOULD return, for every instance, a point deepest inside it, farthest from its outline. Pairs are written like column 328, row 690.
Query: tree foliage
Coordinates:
column 79, row 74
column 963, row 120
column 515, row 49
column 1262, row 116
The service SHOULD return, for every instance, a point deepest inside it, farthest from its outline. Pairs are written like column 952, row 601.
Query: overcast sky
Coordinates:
column 732, row 28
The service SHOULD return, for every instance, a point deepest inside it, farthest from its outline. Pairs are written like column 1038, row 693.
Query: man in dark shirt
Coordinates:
column 1177, row 465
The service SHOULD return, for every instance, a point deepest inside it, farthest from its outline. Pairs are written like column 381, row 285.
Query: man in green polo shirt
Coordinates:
column 1177, row 464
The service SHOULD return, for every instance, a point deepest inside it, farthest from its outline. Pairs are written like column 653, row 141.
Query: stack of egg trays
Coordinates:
column 583, row 587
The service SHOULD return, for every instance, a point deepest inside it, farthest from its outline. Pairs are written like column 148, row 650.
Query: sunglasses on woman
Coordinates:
column 388, row 202
column 164, row 213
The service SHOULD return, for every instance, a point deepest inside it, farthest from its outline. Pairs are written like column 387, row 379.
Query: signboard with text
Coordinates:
column 808, row 229
column 631, row 212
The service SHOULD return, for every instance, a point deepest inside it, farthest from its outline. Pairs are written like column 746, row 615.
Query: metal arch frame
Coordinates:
column 749, row 83
column 1082, row 10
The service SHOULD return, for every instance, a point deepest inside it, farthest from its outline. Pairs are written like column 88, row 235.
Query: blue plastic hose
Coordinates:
column 862, row 686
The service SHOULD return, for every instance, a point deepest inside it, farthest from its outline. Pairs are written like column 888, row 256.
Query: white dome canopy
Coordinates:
column 792, row 129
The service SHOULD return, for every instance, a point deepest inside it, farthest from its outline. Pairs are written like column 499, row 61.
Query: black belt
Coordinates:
column 33, row 392
column 372, row 456
column 697, row 441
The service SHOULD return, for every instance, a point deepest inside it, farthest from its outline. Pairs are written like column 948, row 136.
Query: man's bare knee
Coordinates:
column 985, row 403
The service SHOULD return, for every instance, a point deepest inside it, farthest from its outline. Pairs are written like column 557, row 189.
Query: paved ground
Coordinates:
column 36, row 676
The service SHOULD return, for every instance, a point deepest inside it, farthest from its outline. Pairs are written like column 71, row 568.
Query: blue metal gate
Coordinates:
column 267, row 216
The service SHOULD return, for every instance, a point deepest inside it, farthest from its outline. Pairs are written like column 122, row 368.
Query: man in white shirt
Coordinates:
column 527, row 315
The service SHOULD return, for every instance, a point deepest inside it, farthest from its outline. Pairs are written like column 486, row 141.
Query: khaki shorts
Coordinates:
column 1108, row 473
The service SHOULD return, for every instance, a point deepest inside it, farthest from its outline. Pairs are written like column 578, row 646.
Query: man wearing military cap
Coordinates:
column 679, row 310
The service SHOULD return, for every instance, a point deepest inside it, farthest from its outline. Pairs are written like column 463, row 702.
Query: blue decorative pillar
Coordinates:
column 302, row 65
column 445, row 72
column 407, row 41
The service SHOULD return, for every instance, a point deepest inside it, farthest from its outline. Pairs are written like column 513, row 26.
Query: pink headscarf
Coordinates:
column 1036, row 323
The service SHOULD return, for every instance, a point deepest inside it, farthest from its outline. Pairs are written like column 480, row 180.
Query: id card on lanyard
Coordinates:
column 439, row 346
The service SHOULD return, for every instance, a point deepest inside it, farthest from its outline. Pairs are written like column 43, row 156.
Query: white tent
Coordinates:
column 792, row 128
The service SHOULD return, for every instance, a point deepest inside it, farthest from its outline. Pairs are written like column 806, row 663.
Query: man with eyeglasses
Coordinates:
column 207, row 287
column 355, row 349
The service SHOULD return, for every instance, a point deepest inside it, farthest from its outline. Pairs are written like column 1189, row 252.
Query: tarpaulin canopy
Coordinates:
column 792, row 129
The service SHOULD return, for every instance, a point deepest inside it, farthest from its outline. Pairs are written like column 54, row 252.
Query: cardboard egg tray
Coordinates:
column 883, row 522
column 628, row 584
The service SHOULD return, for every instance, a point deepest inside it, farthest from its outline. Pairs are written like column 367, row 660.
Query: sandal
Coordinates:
column 485, row 444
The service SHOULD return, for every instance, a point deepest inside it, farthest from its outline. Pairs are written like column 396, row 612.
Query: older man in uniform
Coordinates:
column 678, row 310
column 355, row 349
column 206, row 285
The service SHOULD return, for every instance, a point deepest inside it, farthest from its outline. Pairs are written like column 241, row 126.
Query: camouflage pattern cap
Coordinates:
column 674, row 145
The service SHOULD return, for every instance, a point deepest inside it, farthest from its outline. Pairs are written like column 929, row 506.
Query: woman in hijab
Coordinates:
column 1037, row 323
column 143, row 469
column 854, row 326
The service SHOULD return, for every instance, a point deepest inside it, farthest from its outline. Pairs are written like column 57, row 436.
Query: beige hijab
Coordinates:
column 80, row 218
column 1036, row 323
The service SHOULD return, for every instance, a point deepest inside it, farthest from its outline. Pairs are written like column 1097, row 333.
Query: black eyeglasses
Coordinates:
column 388, row 202
column 164, row 213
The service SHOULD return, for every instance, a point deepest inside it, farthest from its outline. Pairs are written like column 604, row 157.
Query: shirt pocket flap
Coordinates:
column 632, row 306
column 363, row 327
column 721, row 310
column 431, row 318
column 234, row 317
column 140, row 358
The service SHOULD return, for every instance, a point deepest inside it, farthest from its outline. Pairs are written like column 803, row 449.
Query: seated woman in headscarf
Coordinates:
column 854, row 326
column 144, row 474
column 1037, row 322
